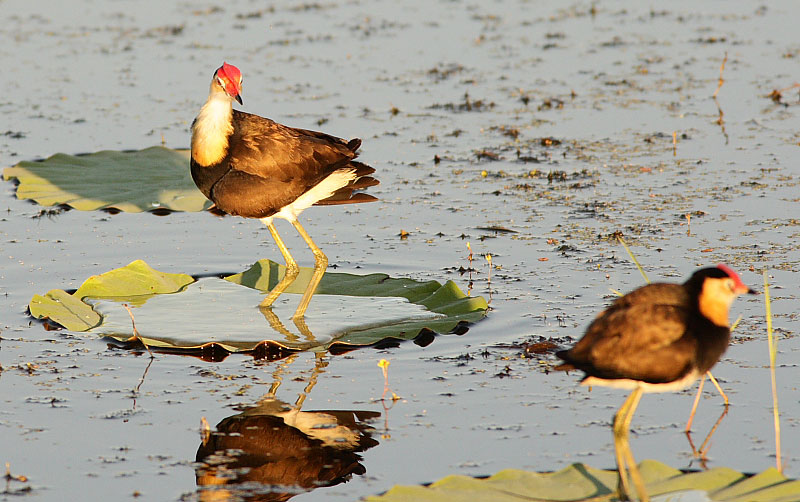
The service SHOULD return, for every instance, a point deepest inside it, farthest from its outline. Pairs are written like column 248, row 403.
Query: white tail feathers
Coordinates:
column 322, row 190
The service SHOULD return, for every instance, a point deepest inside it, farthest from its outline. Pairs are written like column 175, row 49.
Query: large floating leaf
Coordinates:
column 177, row 312
column 156, row 178
column 135, row 282
column 581, row 482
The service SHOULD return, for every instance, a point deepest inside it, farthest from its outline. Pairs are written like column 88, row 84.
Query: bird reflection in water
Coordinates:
column 274, row 451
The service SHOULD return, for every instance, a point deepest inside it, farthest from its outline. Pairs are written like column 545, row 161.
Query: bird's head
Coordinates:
column 716, row 288
column 229, row 79
column 731, row 281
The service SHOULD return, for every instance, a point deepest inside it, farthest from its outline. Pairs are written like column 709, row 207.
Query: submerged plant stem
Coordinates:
column 772, row 353
column 633, row 258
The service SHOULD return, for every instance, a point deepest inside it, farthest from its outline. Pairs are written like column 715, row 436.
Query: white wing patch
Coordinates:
column 626, row 383
column 322, row 190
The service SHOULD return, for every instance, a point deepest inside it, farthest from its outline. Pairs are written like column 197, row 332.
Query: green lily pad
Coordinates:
column 135, row 283
column 152, row 179
column 179, row 312
column 581, row 482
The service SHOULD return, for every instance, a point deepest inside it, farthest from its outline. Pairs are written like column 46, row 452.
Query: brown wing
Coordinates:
column 661, row 293
column 270, row 165
column 641, row 341
column 262, row 147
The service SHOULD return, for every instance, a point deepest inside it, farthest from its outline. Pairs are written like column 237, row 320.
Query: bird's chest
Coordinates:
column 209, row 149
column 211, row 133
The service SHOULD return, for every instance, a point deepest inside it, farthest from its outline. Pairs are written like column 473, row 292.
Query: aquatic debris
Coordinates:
column 777, row 94
column 383, row 364
column 468, row 105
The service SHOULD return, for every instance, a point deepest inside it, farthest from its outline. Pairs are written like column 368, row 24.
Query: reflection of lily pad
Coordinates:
column 156, row 178
column 347, row 311
column 581, row 482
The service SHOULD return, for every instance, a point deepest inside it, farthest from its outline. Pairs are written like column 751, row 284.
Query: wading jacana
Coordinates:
column 254, row 167
column 660, row 337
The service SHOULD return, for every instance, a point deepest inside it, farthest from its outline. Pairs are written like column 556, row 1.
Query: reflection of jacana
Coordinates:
column 253, row 167
column 274, row 451
column 657, row 338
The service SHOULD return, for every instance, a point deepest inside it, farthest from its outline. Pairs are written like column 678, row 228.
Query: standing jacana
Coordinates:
column 660, row 337
column 254, row 167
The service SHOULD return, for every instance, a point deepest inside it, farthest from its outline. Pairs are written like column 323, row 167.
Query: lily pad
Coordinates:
column 179, row 312
column 153, row 179
column 135, row 283
column 581, row 482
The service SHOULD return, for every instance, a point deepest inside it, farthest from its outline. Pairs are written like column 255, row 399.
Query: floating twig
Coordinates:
column 11, row 477
column 721, row 118
column 141, row 381
column 777, row 94
column 674, row 143
column 489, row 277
column 773, row 349
column 469, row 269
column 721, row 121
column 136, row 331
column 721, row 80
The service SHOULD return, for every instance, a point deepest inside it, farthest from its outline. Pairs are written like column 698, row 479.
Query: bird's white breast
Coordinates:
column 211, row 130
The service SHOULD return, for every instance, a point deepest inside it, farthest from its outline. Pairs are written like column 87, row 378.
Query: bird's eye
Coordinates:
column 221, row 82
column 730, row 284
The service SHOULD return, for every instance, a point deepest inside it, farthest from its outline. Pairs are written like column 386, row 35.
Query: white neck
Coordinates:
column 212, row 127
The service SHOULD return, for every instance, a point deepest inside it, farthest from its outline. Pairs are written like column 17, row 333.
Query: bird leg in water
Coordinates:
column 292, row 269
column 697, row 398
column 320, row 265
column 622, row 424
column 701, row 454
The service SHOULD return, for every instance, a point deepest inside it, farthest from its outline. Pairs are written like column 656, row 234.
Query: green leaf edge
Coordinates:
column 581, row 482
column 50, row 181
column 137, row 282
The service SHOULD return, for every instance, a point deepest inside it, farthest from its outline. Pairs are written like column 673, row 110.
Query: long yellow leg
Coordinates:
column 637, row 478
column 622, row 424
column 716, row 384
column 291, row 269
column 696, row 401
column 697, row 398
column 623, row 489
column 320, row 265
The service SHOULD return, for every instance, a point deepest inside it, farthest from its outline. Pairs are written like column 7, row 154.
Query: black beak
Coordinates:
column 238, row 98
column 751, row 291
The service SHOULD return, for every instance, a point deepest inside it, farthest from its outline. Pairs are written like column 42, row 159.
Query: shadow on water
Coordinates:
column 274, row 451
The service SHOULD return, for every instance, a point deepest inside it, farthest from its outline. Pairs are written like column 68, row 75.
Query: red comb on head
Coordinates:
column 231, row 80
column 733, row 275
column 231, row 72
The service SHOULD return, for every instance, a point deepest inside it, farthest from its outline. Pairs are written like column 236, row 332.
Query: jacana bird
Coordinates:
column 660, row 337
column 254, row 167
